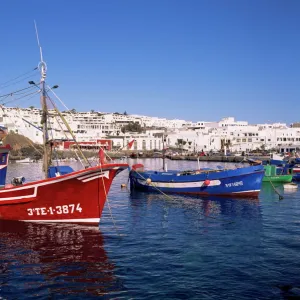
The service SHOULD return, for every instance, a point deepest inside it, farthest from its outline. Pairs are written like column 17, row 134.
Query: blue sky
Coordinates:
column 192, row 60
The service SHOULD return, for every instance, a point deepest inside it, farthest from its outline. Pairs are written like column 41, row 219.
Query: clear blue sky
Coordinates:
column 192, row 60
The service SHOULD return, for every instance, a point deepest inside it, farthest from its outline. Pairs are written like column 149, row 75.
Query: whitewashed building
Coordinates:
column 202, row 135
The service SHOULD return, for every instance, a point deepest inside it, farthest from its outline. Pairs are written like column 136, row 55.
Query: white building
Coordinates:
column 202, row 135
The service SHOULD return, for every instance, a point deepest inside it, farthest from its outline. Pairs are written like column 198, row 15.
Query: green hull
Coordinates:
column 278, row 178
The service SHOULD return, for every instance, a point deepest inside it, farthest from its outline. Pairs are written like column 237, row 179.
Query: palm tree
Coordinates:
column 225, row 144
column 228, row 144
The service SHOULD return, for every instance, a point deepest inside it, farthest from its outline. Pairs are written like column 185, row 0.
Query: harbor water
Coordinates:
column 149, row 246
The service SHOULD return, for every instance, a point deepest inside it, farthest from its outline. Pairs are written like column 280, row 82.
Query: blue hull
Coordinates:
column 4, row 154
column 241, row 182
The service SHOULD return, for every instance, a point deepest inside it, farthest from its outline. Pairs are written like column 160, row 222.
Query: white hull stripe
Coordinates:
column 89, row 220
column 94, row 176
column 249, row 191
column 105, row 173
column 195, row 184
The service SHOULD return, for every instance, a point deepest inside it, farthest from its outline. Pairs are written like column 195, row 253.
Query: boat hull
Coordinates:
column 278, row 178
column 241, row 182
column 77, row 197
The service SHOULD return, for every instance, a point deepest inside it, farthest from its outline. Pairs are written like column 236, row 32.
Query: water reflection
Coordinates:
column 47, row 259
column 210, row 207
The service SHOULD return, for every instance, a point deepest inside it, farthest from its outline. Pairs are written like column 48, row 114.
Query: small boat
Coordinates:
column 286, row 167
column 273, row 174
column 295, row 165
column 238, row 182
column 25, row 160
column 63, row 195
column 275, row 170
column 290, row 186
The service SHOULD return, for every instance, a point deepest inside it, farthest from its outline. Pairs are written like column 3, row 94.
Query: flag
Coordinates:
column 130, row 144
column 101, row 154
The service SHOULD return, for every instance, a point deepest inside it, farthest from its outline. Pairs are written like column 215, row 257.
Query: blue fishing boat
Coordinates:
column 238, row 182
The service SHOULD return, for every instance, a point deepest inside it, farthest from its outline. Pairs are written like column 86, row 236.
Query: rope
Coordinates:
column 70, row 131
column 60, row 100
column 171, row 198
column 67, row 138
column 280, row 196
column 1, row 85
column 10, row 94
column 109, row 207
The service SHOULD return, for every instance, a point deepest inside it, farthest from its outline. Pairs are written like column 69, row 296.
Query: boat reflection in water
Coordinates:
column 47, row 260
column 202, row 208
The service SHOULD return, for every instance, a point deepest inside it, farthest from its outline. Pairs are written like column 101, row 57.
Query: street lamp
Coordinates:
column 33, row 83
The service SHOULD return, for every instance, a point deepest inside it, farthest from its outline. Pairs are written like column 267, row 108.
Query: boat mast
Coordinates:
column 44, row 119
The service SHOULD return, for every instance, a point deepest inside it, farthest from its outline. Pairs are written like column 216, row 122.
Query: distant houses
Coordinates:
column 224, row 135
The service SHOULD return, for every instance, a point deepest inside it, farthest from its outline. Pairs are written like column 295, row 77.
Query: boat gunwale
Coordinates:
column 71, row 175
column 237, row 175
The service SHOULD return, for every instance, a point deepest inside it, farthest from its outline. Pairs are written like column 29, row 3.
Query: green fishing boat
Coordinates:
column 271, row 175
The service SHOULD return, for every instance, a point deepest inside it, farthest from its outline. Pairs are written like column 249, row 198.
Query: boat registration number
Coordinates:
column 237, row 183
column 61, row 209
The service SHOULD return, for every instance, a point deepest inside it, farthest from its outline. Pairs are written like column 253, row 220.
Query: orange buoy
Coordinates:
column 206, row 182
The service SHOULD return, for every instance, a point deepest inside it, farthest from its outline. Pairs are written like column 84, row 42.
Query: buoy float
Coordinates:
column 148, row 180
column 206, row 182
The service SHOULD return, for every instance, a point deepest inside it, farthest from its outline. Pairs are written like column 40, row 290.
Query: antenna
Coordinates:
column 42, row 65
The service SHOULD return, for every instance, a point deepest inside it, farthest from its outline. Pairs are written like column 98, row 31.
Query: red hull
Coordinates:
column 77, row 197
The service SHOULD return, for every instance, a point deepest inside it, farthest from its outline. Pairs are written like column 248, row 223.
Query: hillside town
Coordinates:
column 115, row 130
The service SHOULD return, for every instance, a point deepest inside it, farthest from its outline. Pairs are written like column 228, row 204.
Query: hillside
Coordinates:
column 21, row 146
column 17, row 141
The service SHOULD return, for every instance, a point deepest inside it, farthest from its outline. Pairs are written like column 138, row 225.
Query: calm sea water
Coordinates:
column 153, row 247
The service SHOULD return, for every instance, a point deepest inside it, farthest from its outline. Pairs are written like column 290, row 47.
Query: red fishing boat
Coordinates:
column 63, row 195
column 76, row 197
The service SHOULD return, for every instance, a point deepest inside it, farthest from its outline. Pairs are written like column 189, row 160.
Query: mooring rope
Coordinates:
column 280, row 196
column 108, row 203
